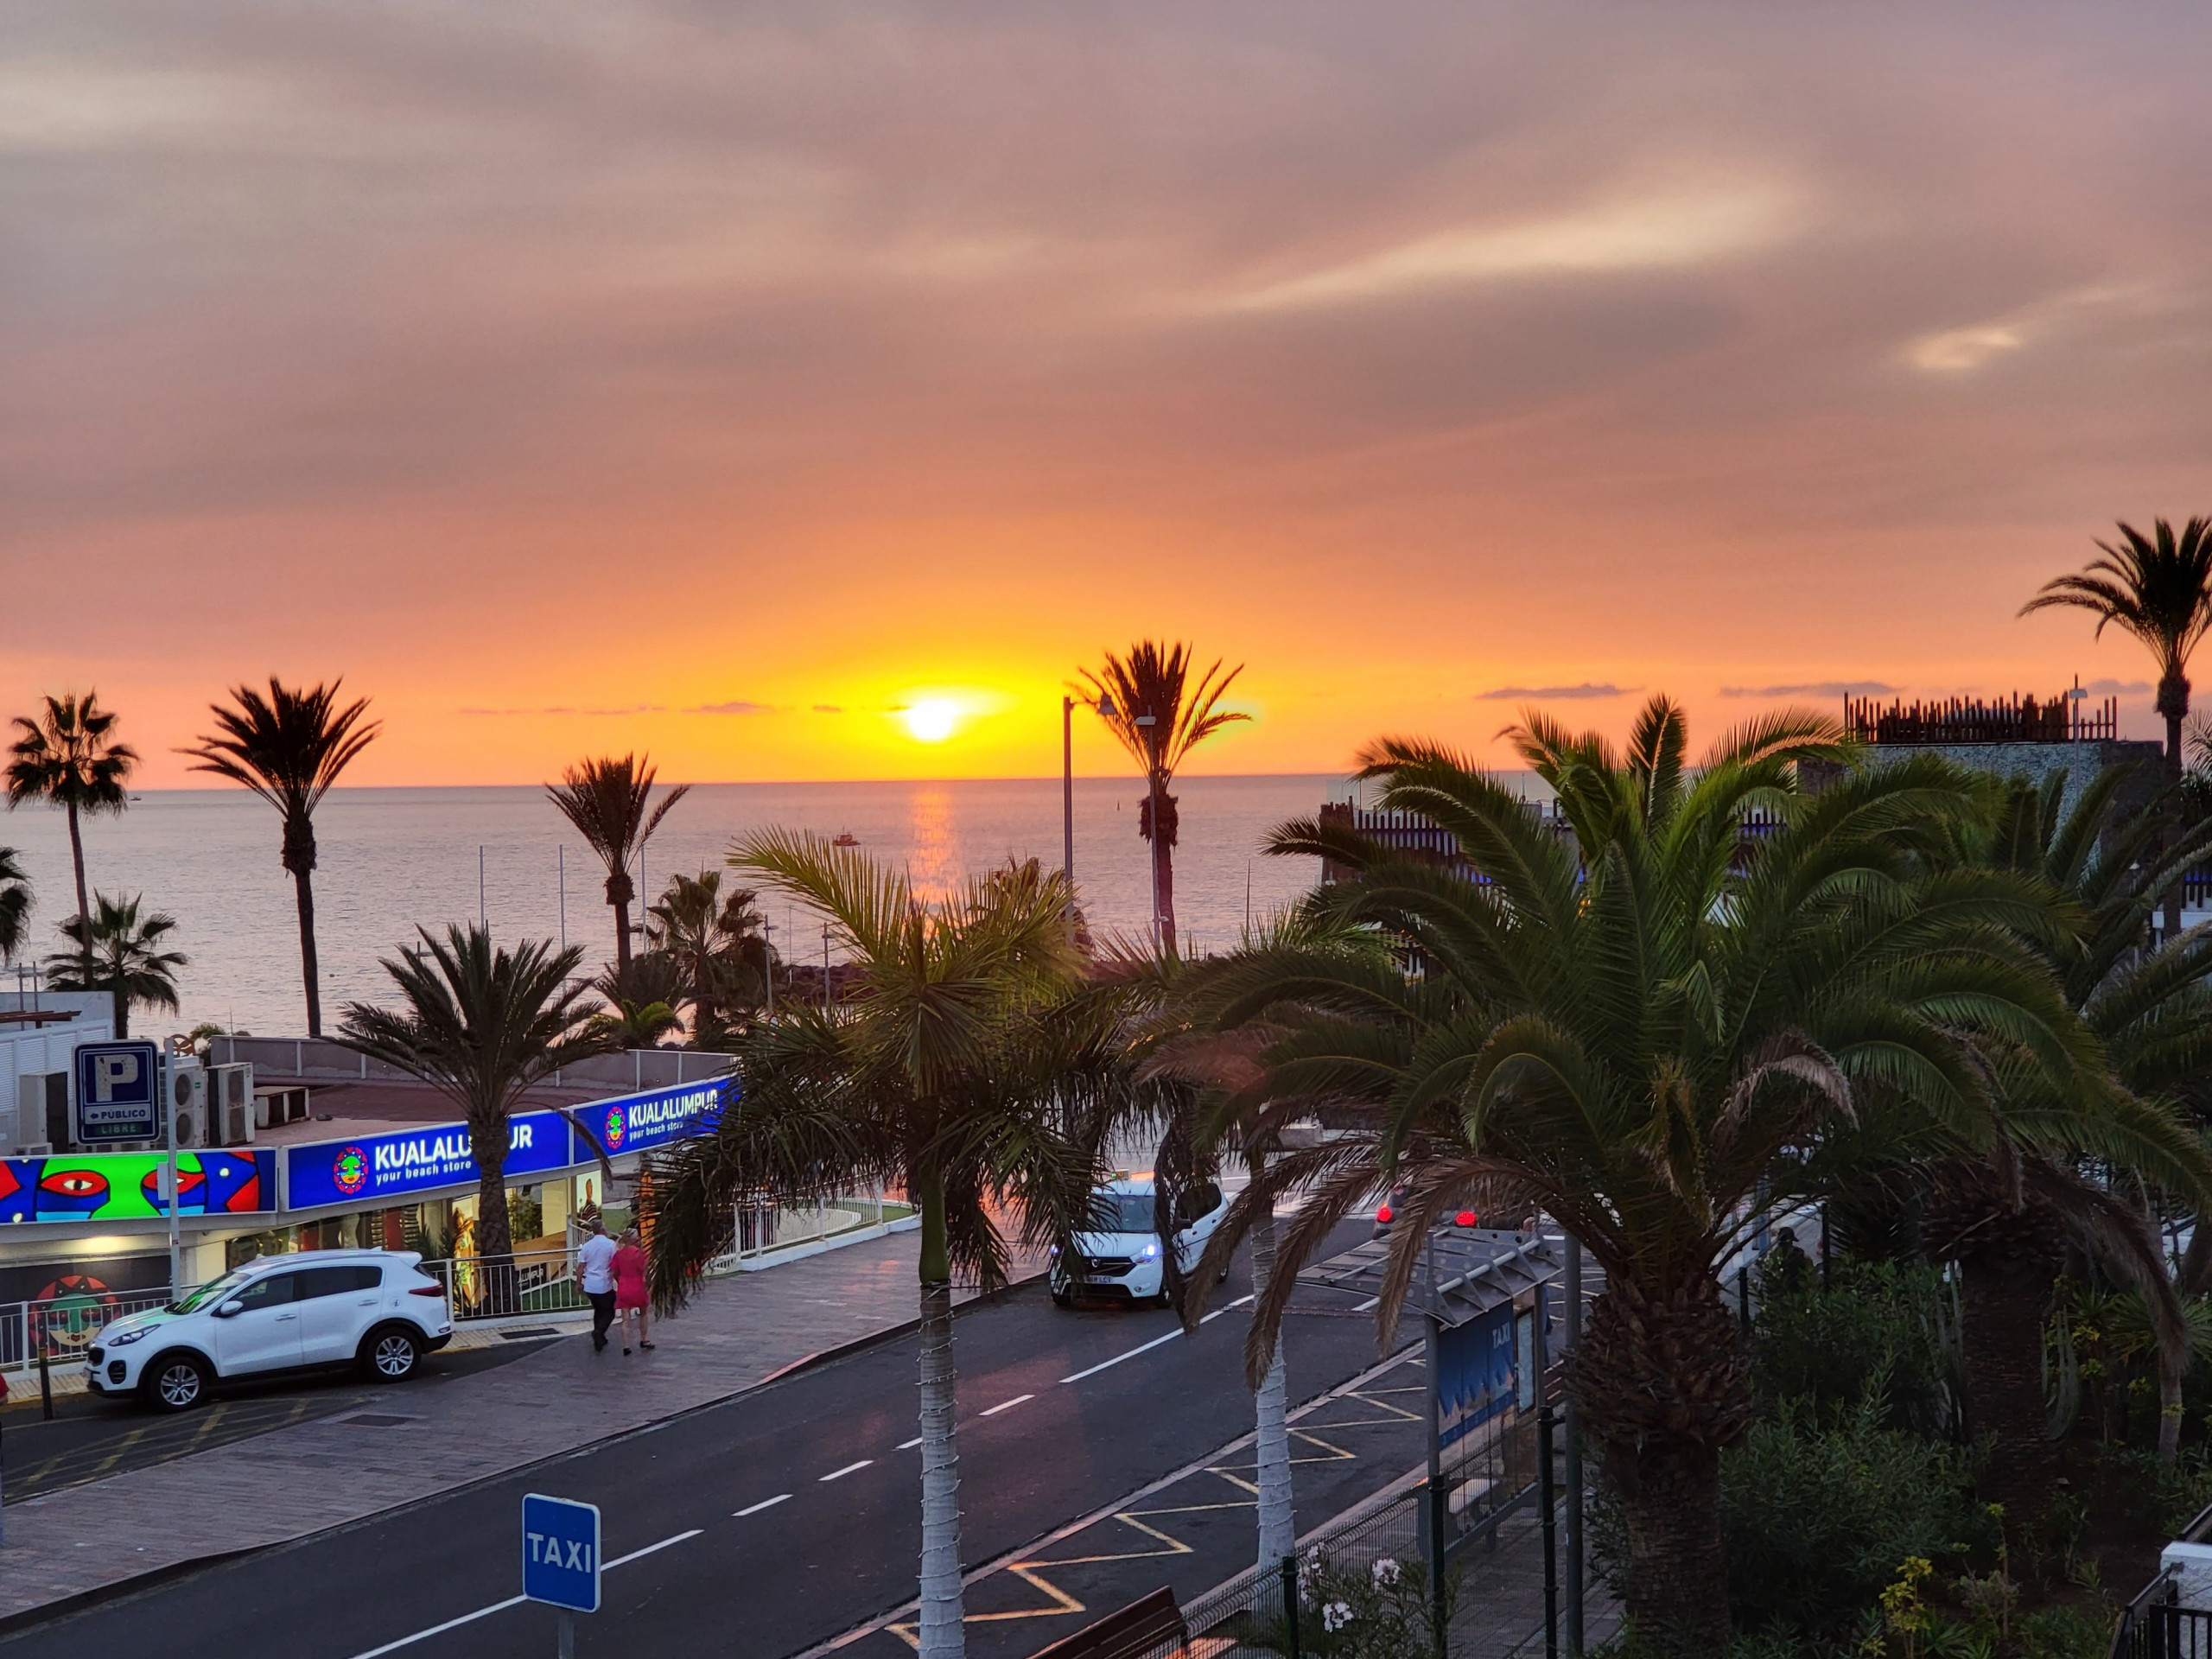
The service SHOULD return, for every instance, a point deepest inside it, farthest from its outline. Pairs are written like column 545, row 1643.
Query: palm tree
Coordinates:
column 720, row 946
column 639, row 1009
column 119, row 952
column 1146, row 700
column 1638, row 1029
column 606, row 799
column 289, row 748
column 15, row 904
column 480, row 1025
column 957, row 1067
column 65, row 758
column 2157, row 587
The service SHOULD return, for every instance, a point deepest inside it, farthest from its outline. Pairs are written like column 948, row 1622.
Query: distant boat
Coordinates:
column 846, row 838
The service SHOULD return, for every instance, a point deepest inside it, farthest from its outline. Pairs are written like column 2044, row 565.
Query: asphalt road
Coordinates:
column 90, row 1437
column 760, row 1526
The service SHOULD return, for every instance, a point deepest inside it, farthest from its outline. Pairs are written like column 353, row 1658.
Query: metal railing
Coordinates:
column 61, row 1328
column 760, row 1230
column 528, row 1282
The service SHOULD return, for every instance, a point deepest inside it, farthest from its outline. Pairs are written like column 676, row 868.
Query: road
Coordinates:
column 762, row 1525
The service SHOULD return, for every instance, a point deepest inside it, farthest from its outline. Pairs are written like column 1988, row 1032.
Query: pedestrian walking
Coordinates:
column 630, row 1287
column 595, row 1263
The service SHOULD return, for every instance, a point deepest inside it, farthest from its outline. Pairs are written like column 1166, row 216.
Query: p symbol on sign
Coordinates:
column 110, row 1070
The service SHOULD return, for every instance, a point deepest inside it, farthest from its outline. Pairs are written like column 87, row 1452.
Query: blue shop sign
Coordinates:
column 633, row 1122
column 380, row 1167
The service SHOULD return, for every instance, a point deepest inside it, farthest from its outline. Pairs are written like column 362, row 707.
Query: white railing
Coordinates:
column 63, row 1327
column 759, row 1231
column 528, row 1282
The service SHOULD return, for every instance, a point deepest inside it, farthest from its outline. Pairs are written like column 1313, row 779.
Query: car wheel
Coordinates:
column 177, row 1383
column 1062, row 1296
column 390, row 1355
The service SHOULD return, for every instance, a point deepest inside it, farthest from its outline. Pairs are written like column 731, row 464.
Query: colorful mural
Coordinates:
column 126, row 1185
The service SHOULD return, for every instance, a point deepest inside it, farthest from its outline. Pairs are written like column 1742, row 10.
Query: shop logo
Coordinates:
column 618, row 1128
column 349, row 1170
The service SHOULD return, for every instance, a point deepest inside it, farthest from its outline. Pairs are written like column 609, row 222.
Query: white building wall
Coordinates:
column 26, row 1048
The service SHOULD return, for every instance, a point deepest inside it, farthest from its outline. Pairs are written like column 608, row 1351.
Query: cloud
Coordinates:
column 566, row 709
column 2117, row 688
column 1556, row 693
column 736, row 706
column 827, row 708
column 1642, row 233
column 1814, row 689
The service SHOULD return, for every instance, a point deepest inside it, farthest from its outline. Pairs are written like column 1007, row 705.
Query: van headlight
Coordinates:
column 124, row 1338
column 1151, row 1251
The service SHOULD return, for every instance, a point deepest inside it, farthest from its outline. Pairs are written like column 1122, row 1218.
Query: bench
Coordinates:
column 1150, row 1622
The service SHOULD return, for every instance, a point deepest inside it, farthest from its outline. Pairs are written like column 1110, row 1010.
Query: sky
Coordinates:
column 808, row 390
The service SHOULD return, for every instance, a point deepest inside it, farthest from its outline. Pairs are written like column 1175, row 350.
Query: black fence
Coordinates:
column 1951, row 721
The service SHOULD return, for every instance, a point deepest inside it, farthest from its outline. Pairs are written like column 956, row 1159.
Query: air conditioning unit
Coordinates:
column 42, row 1108
column 187, row 1095
column 230, row 1104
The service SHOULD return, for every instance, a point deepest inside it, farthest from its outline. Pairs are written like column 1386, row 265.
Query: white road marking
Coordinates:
column 767, row 1503
column 511, row 1601
column 1144, row 1347
column 1007, row 1405
column 908, row 1445
column 835, row 1473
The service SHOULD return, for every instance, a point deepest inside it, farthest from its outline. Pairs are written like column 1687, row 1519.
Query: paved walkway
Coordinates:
column 412, row 1445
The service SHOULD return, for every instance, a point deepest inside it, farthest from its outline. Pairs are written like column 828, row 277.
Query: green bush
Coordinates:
column 1817, row 1518
column 1822, row 1350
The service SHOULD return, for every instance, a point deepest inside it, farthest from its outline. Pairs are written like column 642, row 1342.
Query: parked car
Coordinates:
column 1120, row 1260
column 375, row 1310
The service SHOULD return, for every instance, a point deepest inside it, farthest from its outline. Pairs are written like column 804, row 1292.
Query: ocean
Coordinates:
column 394, row 859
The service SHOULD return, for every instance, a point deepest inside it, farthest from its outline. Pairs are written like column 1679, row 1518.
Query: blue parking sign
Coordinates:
column 560, row 1552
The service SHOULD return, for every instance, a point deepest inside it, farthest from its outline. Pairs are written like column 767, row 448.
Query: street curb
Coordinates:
column 137, row 1583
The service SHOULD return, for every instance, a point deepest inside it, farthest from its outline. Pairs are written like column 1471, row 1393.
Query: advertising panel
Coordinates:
column 379, row 1169
column 1475, row 1375
column 127, row 1186
column 118, row 1093
column 633, row 1122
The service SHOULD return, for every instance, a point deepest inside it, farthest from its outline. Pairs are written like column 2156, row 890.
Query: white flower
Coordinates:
column 1335, row 1615
column 1386, row 1571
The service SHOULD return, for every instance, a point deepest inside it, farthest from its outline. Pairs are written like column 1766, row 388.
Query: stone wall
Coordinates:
column 2035, row 761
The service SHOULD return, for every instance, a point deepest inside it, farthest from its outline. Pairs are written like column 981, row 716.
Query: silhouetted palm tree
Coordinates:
column 719, row 947
column 1146, row 700
column 15, row 904
column 65, row 757
column 118, row 951
column 957, row 1068
column 640, row 1002
column 606, row 799
column 480, row 1026
column 2157, row 587
column 289, row 748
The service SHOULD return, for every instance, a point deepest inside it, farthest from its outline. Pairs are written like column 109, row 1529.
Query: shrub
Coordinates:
column 1822, row 1350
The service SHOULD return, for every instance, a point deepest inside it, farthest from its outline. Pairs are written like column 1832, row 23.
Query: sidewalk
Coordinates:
column 412, row 1445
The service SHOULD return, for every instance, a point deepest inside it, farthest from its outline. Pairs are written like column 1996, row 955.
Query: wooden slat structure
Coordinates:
column 1150, row 1622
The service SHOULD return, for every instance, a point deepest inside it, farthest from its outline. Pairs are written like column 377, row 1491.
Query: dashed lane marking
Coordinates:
column 838, row 1474
column 1007, row 1405
column 1145, row 1347
column 765, row 1504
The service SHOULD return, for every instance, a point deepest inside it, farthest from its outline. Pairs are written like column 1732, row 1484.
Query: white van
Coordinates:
column 1121, row 1258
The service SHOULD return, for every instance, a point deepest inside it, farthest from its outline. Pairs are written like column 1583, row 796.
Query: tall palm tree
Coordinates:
column 1147, row 699
column 67, row 757
column 720, row 946
column 479, row 1023
column 118, row 950
column 2157, row 587
column 15, row 904
column 1639, row 1030
column 606, row 799
column 639, row 1009
column 289, row 748
column 952, row 1069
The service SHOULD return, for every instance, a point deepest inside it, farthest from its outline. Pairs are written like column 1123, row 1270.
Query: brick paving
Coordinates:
column 294, row 1481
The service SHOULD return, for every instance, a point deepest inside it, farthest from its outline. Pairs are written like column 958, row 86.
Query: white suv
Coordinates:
column 315, row 1308
column 1121, row 1258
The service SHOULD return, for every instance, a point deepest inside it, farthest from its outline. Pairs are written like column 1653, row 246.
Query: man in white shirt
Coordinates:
column 596, row 1264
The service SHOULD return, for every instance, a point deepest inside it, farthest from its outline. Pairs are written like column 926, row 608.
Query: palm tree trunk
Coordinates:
column 621, row 933
column 943, row 1633
column 2004, row 1296
column 1163, row 877
column 121, row 999
column 77, row 855
column 2173, row 810
column 310, row 969
column 1659, row 1383
column 1278, row 1519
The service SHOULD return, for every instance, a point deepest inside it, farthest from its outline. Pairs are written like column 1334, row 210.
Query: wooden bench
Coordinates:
column 1150, row 1622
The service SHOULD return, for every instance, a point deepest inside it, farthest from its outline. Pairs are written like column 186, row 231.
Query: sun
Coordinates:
column 931, row 720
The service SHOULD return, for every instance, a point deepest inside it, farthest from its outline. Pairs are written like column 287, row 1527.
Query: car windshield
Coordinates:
column 214, row 1291
column 1121, row 1213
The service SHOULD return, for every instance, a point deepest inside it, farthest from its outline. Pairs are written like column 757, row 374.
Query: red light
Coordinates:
column 1383, row 1214
column 426, row 1290
column 1465, row 1219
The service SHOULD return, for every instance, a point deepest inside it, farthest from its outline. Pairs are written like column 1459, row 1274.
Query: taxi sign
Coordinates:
column 560, row 1552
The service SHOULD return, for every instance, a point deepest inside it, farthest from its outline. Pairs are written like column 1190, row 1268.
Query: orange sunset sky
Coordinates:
column 721, row 380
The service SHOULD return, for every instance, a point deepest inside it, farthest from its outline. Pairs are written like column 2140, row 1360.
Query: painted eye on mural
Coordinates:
column 75, row 1184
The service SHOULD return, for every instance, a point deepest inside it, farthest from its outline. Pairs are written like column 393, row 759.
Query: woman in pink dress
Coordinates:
column 630, row 1288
